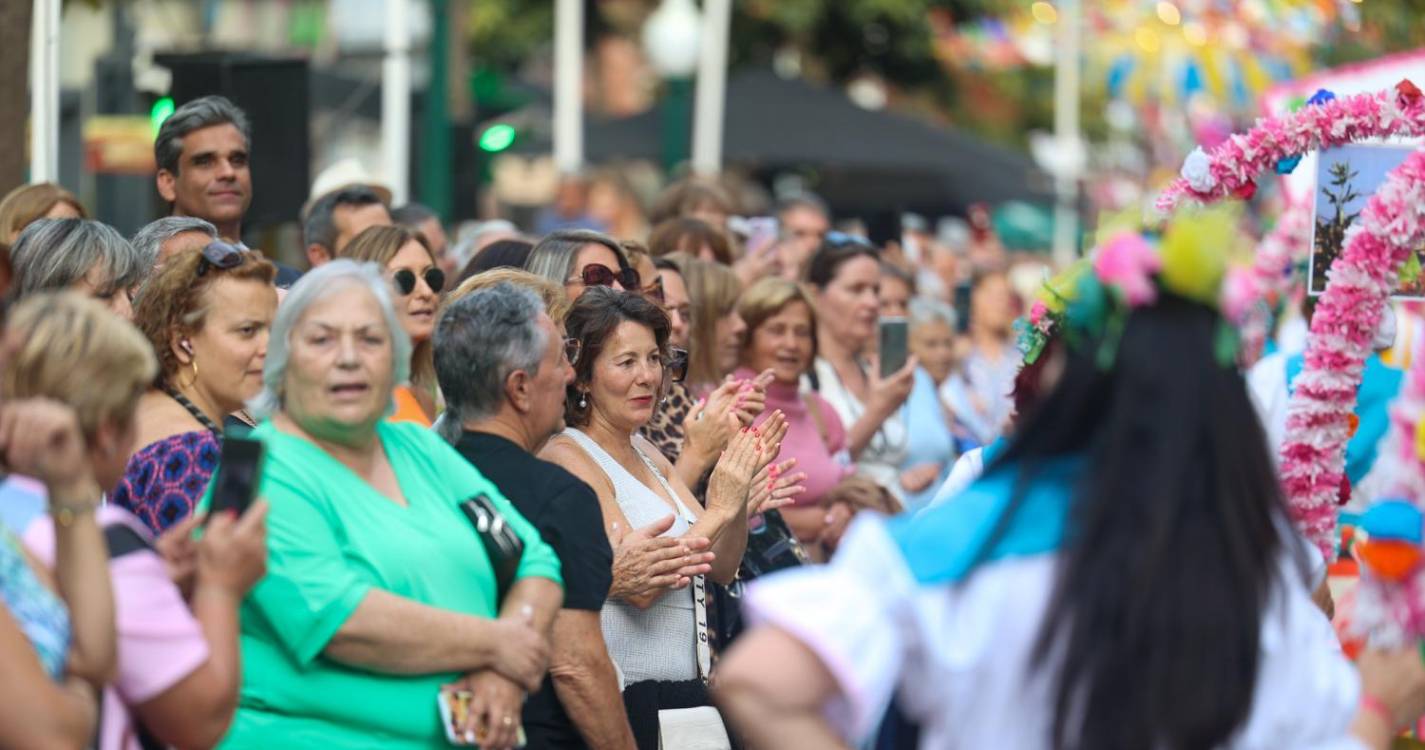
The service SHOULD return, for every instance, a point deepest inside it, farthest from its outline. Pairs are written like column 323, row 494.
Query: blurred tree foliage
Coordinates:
column 837, row 40
column 1386, row 26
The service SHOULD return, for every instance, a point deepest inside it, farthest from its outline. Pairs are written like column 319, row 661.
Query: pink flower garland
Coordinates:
column 1360, row 280
column 1288, row 241
column 1231, row 169
column 1358, row 284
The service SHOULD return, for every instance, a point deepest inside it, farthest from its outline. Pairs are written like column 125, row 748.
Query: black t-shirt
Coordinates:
column 566, row 512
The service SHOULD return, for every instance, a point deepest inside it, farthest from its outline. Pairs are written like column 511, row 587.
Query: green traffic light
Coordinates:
column 162, row 110
column 497, row 137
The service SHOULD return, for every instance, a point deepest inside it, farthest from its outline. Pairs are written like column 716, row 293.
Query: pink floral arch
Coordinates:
column 1358, row 284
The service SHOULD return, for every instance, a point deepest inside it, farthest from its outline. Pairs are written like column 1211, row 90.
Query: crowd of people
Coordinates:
column 580, row 488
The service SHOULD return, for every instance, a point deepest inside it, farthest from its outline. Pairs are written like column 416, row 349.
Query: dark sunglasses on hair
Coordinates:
column 654, row 292
column 572, row 348
column 676, row 364
column 220, row 255
column 406, row 280
column 597, row 275
column 840, row 240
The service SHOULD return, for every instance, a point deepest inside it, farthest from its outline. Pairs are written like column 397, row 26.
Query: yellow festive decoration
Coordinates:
column 1195, row 251
column 1420, row 440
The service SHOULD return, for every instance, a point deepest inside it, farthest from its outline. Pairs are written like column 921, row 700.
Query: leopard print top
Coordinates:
column 665, row 429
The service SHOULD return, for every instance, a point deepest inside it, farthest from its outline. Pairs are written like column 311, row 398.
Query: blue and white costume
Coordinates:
column 910, row 606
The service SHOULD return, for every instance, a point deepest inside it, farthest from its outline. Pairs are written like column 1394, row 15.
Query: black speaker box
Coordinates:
column 274, row 94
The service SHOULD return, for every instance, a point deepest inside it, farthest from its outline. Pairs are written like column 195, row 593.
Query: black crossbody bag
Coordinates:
column 501, row 543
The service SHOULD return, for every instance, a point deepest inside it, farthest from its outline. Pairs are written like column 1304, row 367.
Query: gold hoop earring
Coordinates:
column 194, row 381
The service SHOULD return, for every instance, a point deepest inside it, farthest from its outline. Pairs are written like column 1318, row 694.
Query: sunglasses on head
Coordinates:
column 654, row 292
column 406, row 280
column 676, row 364
column 220, row 255
column 572, row 348
column 597, row 275
column 840, row 240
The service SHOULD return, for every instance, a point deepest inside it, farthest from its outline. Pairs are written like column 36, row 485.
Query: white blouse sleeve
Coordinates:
column 1307, row 691
column 855, row 613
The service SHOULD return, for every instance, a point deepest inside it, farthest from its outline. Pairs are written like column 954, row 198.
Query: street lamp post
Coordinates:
column 671, row 40
column 710, row 105
column 1066, row 132
column 569, row 86
column 396, row 101
column 44, row 92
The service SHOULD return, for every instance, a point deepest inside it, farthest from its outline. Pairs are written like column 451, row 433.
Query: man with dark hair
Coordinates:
column 202, row 155
column 422, row 219
column 202, row 151
column 335, row 218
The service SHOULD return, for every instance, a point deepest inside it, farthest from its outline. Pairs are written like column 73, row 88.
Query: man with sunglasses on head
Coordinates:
column 202, row 151
column 503, row 364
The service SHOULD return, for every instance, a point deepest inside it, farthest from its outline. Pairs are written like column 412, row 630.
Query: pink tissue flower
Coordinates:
column 1239, row 294
column 1127, row 263
column 1037, row 312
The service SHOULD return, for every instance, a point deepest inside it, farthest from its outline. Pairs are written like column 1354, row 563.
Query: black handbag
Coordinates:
column 501, row 543
column 771, row 546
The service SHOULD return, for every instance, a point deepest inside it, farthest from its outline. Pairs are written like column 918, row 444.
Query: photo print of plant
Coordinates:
column 1346, row 178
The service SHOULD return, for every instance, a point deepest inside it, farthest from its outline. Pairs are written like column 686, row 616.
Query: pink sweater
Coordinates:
column 817, row 458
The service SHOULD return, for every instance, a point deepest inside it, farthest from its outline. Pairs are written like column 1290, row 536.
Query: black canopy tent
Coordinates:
column 861, row 161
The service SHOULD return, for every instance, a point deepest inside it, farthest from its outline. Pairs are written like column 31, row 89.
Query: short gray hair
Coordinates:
column 924, row 311
column 315, row 286
column 554, row 256
column 196, row 115
column 480, row 340
column 53, row 254
column 149, row 240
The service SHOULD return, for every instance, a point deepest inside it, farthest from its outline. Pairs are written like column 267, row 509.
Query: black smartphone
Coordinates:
column 962, row 308
column 235, row 485
column 894, row 346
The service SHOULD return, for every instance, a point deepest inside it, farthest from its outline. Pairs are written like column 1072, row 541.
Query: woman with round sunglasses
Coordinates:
column 406, row 259
column 207, row 314
column 579, row 259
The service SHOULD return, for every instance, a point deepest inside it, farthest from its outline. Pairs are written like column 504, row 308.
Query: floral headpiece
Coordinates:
column 1091, row 300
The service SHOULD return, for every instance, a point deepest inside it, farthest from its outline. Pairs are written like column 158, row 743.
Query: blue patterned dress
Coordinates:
column 166, row 478
column 40, row 614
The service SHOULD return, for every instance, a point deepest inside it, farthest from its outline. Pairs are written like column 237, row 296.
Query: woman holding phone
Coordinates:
column 177, row 673
column 845, row 275
column 206, row 314
column 381, row 597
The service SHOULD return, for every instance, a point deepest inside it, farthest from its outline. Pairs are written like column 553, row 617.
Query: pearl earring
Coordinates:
column 583, row 400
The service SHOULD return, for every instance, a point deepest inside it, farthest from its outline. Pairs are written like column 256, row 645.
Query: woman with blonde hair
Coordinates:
column 179, row 688
column 406, row 260
column 29, row 203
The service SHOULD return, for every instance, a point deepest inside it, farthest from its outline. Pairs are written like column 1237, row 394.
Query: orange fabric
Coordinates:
column 408, row 409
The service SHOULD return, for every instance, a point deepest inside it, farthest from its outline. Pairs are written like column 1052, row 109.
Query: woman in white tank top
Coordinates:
column 655, row 619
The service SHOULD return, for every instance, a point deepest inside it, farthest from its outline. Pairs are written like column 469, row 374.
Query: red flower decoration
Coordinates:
column 1246, row 192
column 1343, row 493
column 1406, row 92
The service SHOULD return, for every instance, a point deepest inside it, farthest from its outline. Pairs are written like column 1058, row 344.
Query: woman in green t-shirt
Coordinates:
column 378, row 592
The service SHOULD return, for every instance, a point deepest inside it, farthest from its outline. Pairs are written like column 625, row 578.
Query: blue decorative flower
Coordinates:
column 1288, row 165
column 1320, row 97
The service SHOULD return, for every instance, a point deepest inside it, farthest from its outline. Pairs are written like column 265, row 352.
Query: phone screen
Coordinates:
column 894, row 345
column 238, row 471
column 962, row 308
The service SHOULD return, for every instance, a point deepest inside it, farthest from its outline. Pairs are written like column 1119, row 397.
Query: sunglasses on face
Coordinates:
column 219, row 255
column 572, row 349
column 597, row 275
column 406, row 280
column 676, row 364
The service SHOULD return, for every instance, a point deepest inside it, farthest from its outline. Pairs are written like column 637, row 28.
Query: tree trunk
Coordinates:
column 15, row 19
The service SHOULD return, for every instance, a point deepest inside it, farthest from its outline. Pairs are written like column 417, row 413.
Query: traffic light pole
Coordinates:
column 437, row 183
